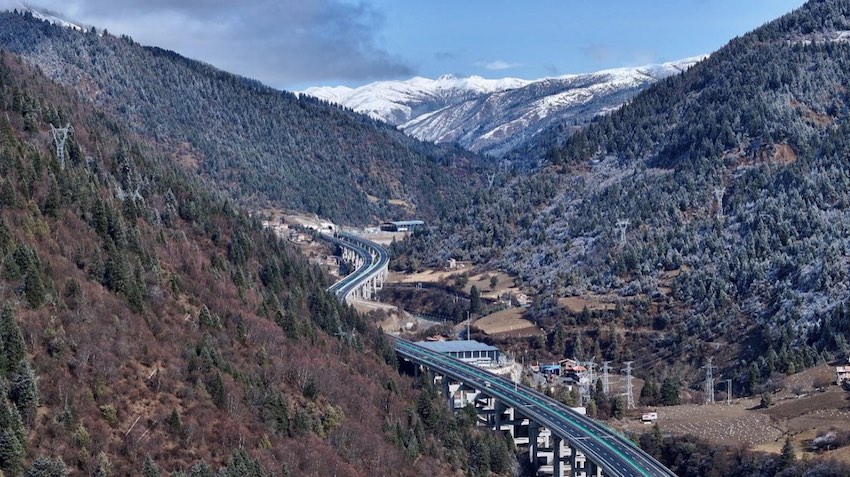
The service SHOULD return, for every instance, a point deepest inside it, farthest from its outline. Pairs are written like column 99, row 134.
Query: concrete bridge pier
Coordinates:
column 533, row 435
column 579, row 464
column 557, row 456
column 457, row 395
column 549, row 453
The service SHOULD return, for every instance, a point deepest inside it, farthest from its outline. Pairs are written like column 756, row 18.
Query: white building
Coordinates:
column 470, row 351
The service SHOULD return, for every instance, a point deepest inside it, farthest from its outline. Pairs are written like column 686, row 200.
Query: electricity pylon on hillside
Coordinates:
column 630, row 398
column 709, row 382
column 621, row 226
column 718, row 194
column 60, row 136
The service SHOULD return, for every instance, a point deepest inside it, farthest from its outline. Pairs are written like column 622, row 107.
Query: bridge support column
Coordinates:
column 557, row 456
column 499, row 415
column 485, row 408
column 520, row 428
column 533, row 433
column 447, row 394
column 578, row 463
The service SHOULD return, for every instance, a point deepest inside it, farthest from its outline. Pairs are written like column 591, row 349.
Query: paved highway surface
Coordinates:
column 372, row 264
column 614, row 453
column 611, row 451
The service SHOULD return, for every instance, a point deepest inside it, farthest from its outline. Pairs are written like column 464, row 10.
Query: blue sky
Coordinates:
column 293, row 44
column 537, row 38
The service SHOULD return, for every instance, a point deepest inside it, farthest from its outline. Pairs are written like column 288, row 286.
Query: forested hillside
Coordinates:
column 763, row 124
column 149, row 327
column 269, row 148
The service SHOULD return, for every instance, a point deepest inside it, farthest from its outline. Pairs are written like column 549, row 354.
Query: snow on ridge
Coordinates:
column 400, row 102
column 494, row 115
column 50, row 17
column 397, row 102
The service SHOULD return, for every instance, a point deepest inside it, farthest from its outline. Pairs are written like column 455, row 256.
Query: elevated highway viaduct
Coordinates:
column 560, row 441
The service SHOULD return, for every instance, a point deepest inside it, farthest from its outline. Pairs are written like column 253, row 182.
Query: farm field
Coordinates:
column 504, row 282
column 507, row 322
column 800, row 411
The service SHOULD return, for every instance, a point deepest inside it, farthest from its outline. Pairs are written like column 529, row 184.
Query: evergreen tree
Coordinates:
column 474, row 300
column 207, row 319
column 10, row 418
column 45, row 467
column 278, row 411
column 216, row 388
column 173, row 422
column 11, row 454
column 787, row 457
column 559, row 339
column 670, row 392
column 149, row 468
column 618, row 408
column 23, row 390
column 34, row 289
column 104, row 466
column 14, row 349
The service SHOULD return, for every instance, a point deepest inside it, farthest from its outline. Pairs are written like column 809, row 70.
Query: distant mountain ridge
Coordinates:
column 493, row 116
column 266, row 147
column 397, row 102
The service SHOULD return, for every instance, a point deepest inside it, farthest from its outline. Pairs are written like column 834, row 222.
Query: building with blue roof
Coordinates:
column 471, row 351
column 402, row 225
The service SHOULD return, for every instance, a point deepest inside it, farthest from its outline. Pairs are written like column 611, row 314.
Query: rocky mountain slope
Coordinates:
column 397, row 102
column 264, row 146
column 731, row 184
column 496, row 116
column 149, row 327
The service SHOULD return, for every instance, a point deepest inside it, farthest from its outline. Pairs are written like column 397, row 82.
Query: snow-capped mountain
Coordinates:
column 397, row 102
column 494, row 116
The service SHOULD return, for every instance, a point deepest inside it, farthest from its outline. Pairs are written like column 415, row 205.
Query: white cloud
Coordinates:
column 283, row 43
column 497, row 65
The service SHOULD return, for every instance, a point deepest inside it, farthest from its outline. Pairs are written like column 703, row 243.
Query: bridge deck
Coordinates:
column 614, row 453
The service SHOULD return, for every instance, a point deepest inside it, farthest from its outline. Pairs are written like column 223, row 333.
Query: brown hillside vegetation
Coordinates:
column 163, row 322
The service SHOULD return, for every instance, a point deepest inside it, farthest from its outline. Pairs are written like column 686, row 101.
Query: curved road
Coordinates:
column 375, row 258
column 615, row 454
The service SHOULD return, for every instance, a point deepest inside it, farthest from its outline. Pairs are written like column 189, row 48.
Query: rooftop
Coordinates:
column 402, row 223
column 456, row 346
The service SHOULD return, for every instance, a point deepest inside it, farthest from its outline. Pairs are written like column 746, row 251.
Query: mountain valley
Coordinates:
column 664, row 245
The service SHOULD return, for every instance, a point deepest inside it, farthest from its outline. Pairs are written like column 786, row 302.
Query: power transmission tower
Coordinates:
column 490, row 179
column 718, row 194
column 60, row 135
column 605, row 383
column 505, row 165
column 630, row 399
column 622, row 225
column 709, row 382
